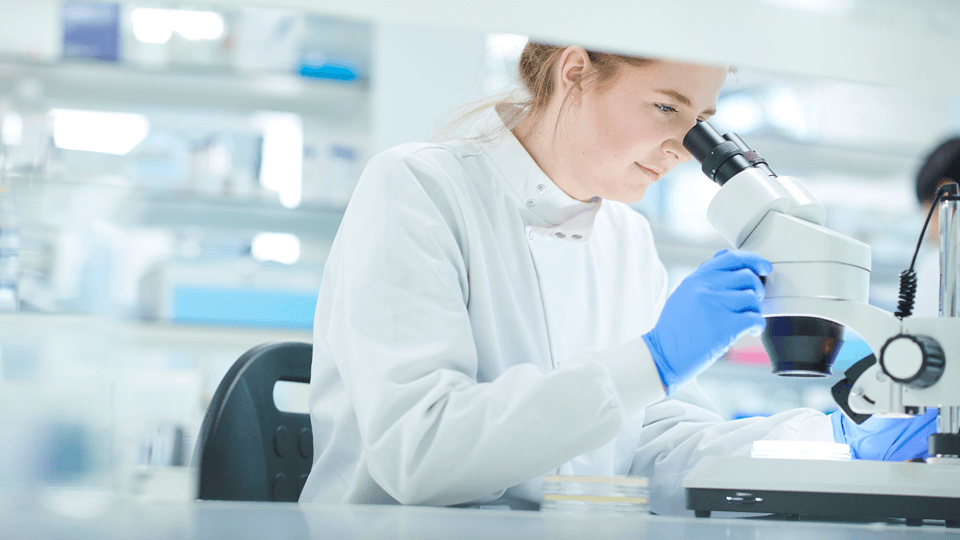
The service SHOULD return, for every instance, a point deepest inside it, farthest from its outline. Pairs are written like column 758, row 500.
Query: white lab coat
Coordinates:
column 478, row 329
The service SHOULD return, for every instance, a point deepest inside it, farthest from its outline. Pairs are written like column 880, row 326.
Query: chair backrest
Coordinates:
column 247, row 449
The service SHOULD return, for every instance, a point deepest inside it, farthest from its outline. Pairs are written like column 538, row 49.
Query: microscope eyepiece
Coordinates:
column 722, row 157
column 701, row 140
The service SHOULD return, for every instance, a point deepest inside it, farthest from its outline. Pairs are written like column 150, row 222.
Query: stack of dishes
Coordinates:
column 801, row 450
column 595, row 494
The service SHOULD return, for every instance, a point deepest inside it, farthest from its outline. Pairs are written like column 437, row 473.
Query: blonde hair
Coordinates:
column 537, row 75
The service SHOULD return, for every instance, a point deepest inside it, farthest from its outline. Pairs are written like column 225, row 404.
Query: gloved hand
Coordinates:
column 706, row 314
column 886, row 439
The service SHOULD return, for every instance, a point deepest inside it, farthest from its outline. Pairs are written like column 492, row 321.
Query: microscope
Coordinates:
column 818, row 290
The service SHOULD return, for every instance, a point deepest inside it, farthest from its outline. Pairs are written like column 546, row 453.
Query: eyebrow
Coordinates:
column 684, row 100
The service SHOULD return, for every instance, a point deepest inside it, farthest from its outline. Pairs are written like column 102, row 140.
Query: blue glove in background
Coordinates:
column 706, row 314
column 886, row 439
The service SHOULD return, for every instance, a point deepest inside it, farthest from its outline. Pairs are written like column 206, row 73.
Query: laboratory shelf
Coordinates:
column 23, row 326
column 172, row 209
column 138, row 206
column 123, row 86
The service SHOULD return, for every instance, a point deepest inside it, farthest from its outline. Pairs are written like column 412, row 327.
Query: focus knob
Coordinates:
column 916, row 361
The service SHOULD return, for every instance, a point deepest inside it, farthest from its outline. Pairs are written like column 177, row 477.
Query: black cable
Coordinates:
column 936, row 199
column 908, row 278
column 908, row 293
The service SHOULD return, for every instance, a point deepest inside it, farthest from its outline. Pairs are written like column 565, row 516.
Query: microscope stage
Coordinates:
column 838, row 489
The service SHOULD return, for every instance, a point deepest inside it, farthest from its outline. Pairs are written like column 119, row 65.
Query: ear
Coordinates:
column 573, row 64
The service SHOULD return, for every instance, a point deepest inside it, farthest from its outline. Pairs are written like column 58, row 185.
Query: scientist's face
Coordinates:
column 617, row 141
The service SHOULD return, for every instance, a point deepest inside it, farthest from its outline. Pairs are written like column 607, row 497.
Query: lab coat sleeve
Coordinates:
column 399, row 331
column 680, row 431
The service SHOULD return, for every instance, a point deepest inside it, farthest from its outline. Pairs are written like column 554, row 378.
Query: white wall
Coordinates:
column 32, row 29
column 420, row 76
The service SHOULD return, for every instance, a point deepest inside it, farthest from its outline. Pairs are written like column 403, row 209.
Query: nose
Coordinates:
column 674, row 147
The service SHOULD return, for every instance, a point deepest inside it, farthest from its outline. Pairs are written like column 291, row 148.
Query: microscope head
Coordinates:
column 777, row 218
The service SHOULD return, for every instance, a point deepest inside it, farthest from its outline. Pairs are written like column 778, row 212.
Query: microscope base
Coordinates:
column 835, row 489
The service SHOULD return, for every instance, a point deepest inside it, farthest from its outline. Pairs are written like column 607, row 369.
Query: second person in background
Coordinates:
column 492, row 310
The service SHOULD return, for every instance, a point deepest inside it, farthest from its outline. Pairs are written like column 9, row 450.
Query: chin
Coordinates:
column 629, row 197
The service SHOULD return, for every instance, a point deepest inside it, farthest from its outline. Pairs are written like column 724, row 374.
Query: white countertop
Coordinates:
column 239, row 521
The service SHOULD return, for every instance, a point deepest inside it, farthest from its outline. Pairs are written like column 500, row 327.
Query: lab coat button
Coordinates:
column 541, row 188
column 281, row 438
column 530, row 235
column 531, row 203
column 559, row 234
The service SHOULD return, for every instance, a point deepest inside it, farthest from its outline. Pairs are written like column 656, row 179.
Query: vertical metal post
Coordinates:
column 948, row 418
column 949, row 257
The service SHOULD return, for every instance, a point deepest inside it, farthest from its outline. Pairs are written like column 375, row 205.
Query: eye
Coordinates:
column 666, row 108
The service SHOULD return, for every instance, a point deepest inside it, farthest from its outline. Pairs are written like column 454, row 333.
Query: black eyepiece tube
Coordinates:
column 721, row 159
column 733, row 137
column 701, row 140
column 755, row 159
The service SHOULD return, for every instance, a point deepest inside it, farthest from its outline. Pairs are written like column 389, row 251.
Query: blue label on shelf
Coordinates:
column 337, row 71
column 244, row 307
column 91, row 30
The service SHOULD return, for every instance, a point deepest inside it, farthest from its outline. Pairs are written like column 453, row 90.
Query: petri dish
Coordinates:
column 596, row 494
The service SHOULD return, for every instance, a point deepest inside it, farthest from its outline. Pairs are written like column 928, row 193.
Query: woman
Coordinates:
column 940, row 167
column 492, row 311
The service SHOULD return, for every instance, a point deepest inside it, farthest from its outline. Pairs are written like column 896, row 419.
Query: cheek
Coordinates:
column 616, row 131
column 623, row 134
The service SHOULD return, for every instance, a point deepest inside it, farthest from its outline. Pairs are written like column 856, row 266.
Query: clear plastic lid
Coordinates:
column 800, row 450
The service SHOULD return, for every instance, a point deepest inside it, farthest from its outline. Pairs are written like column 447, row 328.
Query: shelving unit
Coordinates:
column 158, row 209
column 40, row 327
column 107, row 86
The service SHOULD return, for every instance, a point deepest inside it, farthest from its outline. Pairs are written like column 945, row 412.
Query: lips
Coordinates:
column 653, row 173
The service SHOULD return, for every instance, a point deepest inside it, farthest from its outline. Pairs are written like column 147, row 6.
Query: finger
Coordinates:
column 740, row 301
column 735, row 260
column 751, row 321
column 742, row 280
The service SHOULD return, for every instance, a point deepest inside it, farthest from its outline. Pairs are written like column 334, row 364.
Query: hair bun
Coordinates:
column 943, row 162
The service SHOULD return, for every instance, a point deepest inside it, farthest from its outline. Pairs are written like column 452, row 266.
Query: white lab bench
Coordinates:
column 289, row 521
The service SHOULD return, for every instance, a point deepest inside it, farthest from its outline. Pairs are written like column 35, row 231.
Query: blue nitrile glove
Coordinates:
column 708, row 313
column 886, row 439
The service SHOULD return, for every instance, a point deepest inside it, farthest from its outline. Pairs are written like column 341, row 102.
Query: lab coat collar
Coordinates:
column 546, row 209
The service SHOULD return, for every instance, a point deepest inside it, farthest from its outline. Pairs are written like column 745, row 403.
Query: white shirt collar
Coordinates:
column 546, row 209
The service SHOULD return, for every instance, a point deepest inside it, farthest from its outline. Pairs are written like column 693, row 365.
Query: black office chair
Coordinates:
column 247, row 450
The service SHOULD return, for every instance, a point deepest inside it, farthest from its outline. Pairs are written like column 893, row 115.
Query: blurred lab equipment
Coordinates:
column 248, row 449
column 9, row 251
column 231, row 291
column 818, row 285
column 91, row 30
